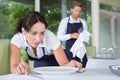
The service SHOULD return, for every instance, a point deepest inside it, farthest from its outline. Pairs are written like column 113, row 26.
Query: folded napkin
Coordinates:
column 78, row 49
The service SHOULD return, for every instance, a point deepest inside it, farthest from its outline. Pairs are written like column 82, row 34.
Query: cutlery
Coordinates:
column 37, row 75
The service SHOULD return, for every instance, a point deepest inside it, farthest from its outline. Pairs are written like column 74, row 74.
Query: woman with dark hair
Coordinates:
column 41, row 45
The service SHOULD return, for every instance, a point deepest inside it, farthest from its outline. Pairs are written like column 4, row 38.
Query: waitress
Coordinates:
column 69, row 30
column 41, row 45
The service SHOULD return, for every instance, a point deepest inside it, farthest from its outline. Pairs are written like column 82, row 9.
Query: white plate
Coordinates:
column 54, row 70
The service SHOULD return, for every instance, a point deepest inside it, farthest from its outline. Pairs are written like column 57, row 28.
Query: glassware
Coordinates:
column 103, row 52
column 110, row 53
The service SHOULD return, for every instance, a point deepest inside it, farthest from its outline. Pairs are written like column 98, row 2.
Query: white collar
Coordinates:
column 27, row 45
column 25, row 40
column 78, row 20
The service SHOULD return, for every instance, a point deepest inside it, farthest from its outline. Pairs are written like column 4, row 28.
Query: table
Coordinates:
column 96, row 69
column 89, row 74
column 101, row 63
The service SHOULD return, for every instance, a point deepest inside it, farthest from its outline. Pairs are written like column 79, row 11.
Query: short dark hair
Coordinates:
column 76, row 3
column 29, row 20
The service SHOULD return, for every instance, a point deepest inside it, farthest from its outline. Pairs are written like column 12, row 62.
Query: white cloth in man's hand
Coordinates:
column 78, row 49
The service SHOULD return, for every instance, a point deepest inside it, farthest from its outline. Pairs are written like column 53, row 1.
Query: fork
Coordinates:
column 38, row 75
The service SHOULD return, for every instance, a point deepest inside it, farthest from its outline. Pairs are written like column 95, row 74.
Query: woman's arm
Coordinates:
column 15, row 62
column 62, row 59
column 60, row 56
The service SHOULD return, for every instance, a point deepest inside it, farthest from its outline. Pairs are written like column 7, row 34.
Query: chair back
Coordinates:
column 4, row 56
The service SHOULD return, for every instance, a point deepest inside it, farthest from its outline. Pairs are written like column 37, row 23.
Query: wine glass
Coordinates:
column 110, row 52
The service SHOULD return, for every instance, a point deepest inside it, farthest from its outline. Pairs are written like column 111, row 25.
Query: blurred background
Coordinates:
column 102, row 16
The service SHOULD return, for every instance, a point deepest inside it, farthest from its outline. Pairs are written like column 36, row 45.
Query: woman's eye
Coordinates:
column 33, row 33
column 42, row 33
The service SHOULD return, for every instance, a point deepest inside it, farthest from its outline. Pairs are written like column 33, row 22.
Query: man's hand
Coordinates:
column 74, row 35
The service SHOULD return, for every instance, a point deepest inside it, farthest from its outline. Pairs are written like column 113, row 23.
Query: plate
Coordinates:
column 54, row 70
column 115, row 69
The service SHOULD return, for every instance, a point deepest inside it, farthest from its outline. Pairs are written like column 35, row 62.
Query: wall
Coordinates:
column 105, row 34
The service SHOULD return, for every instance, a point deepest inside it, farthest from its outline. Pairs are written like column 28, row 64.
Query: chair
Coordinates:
column 4, row 56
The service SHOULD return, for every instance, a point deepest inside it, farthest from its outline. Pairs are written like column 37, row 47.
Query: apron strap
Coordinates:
column 68, row 19
column 43, row 49
column 31, row 58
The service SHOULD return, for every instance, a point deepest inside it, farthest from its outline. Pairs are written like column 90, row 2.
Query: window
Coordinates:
column 10, row 12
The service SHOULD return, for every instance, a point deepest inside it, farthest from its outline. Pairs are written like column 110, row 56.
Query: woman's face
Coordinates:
column 35, row 35
column 75, row 12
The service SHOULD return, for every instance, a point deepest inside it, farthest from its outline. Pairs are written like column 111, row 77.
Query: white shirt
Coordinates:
column 63, row 27
column 50, row 43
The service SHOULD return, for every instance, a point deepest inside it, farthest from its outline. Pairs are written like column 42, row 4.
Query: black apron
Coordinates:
column 46, row 60
column 71, row 28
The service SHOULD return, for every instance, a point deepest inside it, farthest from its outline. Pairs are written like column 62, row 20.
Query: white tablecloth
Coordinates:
column 97, row 69
column 89, row 74
column 102, row 63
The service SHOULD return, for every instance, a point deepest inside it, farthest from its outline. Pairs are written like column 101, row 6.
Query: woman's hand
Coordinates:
column 23, row 68
column 74, row 63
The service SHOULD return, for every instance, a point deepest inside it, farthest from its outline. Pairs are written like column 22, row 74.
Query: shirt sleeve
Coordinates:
column 61, row 35
column 53, row 42
column 84, row 24
column 17, row 40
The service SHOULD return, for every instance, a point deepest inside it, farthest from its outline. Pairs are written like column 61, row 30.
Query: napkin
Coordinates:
column 78, row 49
